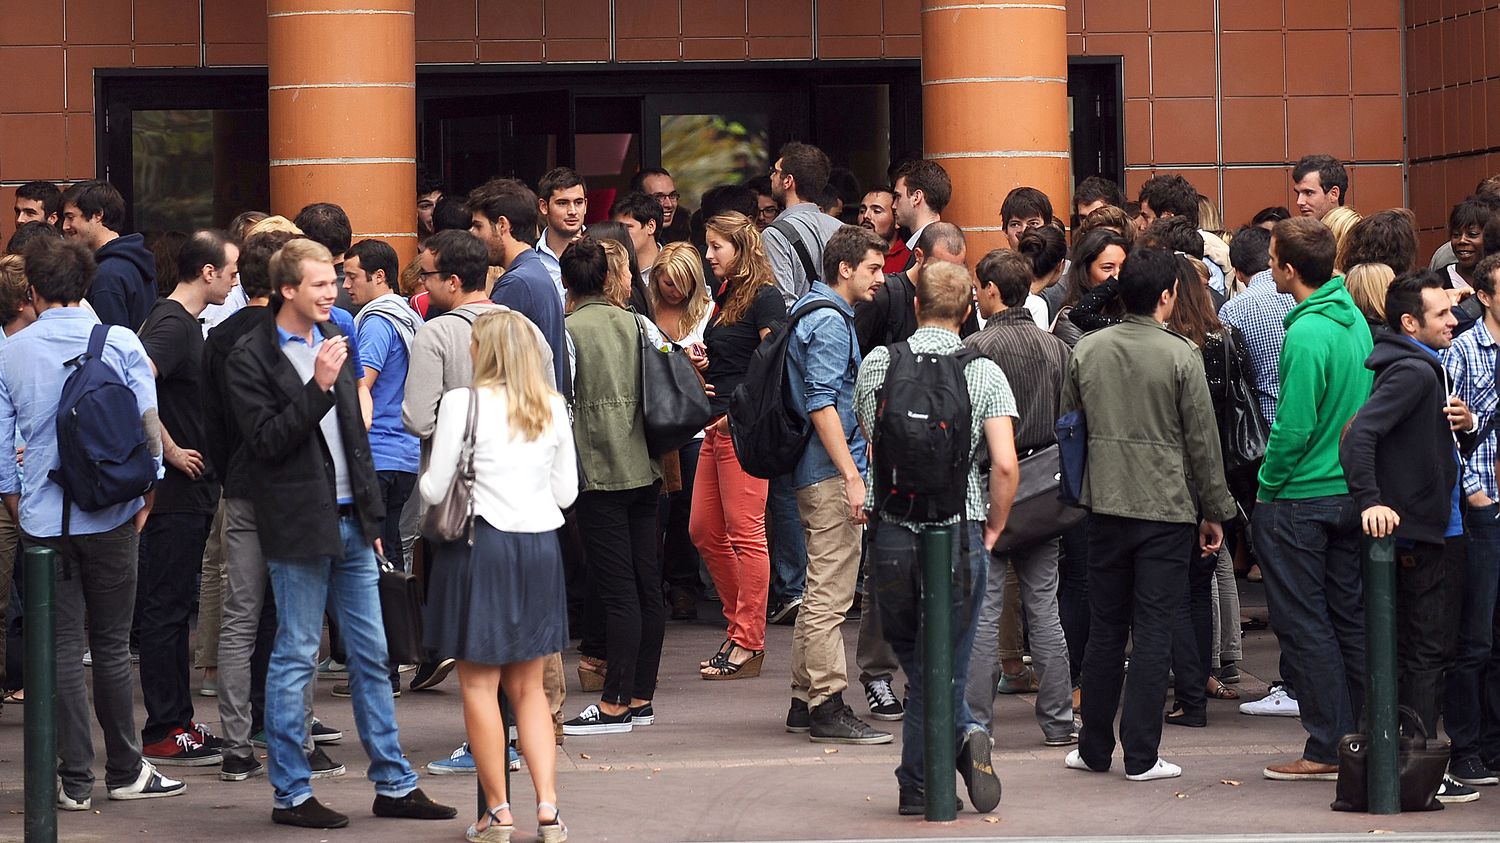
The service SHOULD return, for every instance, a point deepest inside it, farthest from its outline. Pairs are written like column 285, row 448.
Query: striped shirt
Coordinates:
column 1033, row 362
column 1472, row 361
column 1260, row 314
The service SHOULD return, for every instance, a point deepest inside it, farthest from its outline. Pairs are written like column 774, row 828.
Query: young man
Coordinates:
column 38, row 201
column 1259, row 312
column 1024, row 208
column 125, row 285
column 944, row 296
column 317, row 506
column 1033, row 362
column 504, row 215
column 1401, row 456
column 1306, row 526
column 642, row 215
column 326, row 223
column 822, row 365
column 657, row 183
column 920, row 191
column 1472, row 362
column 100, row 550
column 562, row 202
column 1154, row 465
column 798, row 179
column 766, row 206
column 174, row 536
column 1094, row 193
column 1321, row 184
column 429, row 191
column 874, row 213
column 1174, row 196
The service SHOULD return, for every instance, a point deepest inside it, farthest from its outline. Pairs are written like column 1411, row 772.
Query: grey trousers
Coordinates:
column 872, row 653
column 1036, row 572
column 95, row 577
column 1226, row 597
column 244, row 598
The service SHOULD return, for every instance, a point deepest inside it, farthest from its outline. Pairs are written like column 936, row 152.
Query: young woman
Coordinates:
column 728, row 522
column 1044, row 248
column 499, row 607
column 682, row 307
column 1097, row 257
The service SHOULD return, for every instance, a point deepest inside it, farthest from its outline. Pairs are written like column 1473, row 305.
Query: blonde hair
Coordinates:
column 507, row 360
column 1367, row 284
column 617, row 275
column 944, row 292
column 276, row 223
column 1208, row 216
column 680, row 267
column 15, row 290
column 286, row 264
column 1341, row 221
column 751, row 269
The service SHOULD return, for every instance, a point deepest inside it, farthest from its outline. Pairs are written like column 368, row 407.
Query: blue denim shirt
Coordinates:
column 822, row 365
column 31, row 381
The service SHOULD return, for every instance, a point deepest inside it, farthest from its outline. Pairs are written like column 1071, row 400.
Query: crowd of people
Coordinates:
column 1250, row 403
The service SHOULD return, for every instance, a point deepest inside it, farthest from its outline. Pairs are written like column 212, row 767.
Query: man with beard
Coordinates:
column 875, row 214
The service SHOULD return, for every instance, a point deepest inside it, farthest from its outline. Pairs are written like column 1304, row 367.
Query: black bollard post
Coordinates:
column 41, row 693
column 937, row 671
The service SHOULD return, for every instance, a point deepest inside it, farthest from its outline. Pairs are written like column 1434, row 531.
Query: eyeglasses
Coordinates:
column 666, row 197
column 768, row 212
column 429, row 272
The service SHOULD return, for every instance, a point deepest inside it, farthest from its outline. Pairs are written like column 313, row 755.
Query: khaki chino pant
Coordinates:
column 833, row 544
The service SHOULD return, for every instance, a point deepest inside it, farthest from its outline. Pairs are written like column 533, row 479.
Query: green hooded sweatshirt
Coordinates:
column 1323, row 382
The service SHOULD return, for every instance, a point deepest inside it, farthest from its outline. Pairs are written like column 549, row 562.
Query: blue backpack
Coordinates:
column 104, row 458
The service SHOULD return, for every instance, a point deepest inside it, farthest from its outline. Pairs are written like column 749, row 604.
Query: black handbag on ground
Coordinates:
column 1243, row 430
column 1422, row 761
column 1038, row 513
column 401, row 612
column 673, row 402
column 452, row 518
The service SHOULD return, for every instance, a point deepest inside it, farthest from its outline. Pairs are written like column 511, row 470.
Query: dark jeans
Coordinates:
column 895, row 574
column 1310, row 558
column 788, row 542
column 620, row 544
column 1427, row 603
column 1193, row 634
column 171, row 557
column 680, row 561
column 1073, row 594
column 1478, row 581
column 1137, row 576
column 395, row 488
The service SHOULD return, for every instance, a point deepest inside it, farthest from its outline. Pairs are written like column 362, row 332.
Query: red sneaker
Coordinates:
column 181, row 748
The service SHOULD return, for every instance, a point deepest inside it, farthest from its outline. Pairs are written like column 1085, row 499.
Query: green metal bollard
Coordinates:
column 41, row 693
column 1380, row 673
column 937, row 671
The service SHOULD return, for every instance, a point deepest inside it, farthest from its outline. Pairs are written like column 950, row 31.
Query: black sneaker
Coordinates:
column 642, row 715
column 413, row 806
column 237, row 769
column 882, row 700
column 798, row 718
column 1451, row 792
column 310, row 814
column 430, row 674
column 207, row 738
column 785, row 613
column 1471, row 772
column 913, row 802
column 977, row 771
column 684, row 605
column 322, row 766
column 834, row 722
column 322, row 733
column 593, row 721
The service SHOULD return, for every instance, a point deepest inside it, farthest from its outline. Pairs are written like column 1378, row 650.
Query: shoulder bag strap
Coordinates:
column 794, row 237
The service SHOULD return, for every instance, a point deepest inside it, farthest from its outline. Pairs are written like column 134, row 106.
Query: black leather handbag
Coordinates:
column 1242, row 428
column 1038, row 513
column 1422, row 763
column 673, row 402
column 401, row 612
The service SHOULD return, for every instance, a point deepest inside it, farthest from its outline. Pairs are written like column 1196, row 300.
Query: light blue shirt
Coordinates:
column 822, row 365
column 550, row 261
column 32, row 373
column 303, row 358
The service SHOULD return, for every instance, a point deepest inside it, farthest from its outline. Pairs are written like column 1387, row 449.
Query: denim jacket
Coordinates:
column 822, row 364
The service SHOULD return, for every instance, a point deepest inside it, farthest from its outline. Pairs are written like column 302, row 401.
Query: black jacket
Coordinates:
column 124, row 286
column 292, row 474
column 1398, row 449
column 224, row 440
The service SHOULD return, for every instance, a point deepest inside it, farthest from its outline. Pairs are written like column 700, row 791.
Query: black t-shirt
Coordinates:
column 731, row 346
column 174, row 342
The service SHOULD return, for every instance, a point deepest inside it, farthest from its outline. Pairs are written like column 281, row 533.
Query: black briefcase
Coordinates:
column 401, row 610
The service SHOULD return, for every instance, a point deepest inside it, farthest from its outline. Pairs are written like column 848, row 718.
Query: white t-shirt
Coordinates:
column 1038, row 307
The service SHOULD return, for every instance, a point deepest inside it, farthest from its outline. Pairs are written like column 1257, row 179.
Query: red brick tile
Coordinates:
column 1135, row 49
column 29, row 22
column 648, row 49
column 81, row 62
column 850, row 47
column 34, row 147
column 713, row 49
column 1324, row 14
column 1318, row 125
column 1448, row 97
column 713, row 18
column 80, row 162
column 1115, row 15
column 577, row 49
column 1181, row 16
column 646, row 19
column 1138, row 132
column 1254, row 129
column 1375, row 188
column 512, row 20
column 1192, row 136
column 1491, row 90
column 1376, row 55
column 1491, row 25
column 1182, row 64
column 166, row 21
column 445, row 52
column 446, row 20
column 1249, row 14
column 510, row 51
column 576, row 19
column 236, row 55
column 1075, row 16
column 903, row 46
column 1252, row 63
column 1075, row 44
column 234, row 23
column 99, row 21
column 1377, row 128
column 779, row 18
column 33, row 80
column 1248, row 190
column 1375, row 14
column 848, row 17
column 904, row 17
column 177, row 55
column 781, row 48
column 1317, row 62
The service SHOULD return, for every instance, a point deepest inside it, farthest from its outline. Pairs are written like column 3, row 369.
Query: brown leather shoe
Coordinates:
column 1302, row 770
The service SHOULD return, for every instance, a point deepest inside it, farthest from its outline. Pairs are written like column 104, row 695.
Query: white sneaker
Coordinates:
column 88, row 658
column 148, row 785
column 1277, row 703
column 68, row 803
column 1160, row 770
column 1075, row 762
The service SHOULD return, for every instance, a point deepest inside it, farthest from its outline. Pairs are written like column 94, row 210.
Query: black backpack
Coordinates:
column 103, row 455
column 769, row 435
column 922, row 433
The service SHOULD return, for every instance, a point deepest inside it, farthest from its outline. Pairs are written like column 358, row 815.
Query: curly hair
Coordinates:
column 751, row 269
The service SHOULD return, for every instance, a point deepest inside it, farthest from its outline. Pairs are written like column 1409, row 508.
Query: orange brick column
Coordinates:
column 343, row 112
column 995, row 107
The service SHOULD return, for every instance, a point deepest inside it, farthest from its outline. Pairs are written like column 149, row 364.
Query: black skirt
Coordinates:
column 499, row 602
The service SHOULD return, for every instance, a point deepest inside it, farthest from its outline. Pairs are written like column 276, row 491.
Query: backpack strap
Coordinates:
column 794, row 237
column 97, row 336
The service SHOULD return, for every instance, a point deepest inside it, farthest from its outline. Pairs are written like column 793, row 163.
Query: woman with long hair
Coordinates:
column 499, row 606
column 1367, row 284
column 1341, row 222
column 728, row 522
column 1044, row 248
column 1097, row 257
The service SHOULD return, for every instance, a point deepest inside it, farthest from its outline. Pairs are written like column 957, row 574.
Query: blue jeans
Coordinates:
column 1310, row 557
column 1465, row 680
column 895, row 574
column 349, row 587
column 788, row 543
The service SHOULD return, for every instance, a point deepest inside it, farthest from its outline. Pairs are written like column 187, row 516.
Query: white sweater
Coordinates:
column 519, row 486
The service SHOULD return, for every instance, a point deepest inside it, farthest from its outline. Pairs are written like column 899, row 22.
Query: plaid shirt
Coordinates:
column 989, row 397
column 1260, row 315
column 1472, row 362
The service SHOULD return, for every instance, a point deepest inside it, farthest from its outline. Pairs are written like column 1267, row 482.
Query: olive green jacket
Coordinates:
column 608, row 425
column 1153, row 441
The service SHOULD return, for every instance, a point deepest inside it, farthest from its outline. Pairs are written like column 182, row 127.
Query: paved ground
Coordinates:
column 719, row 767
